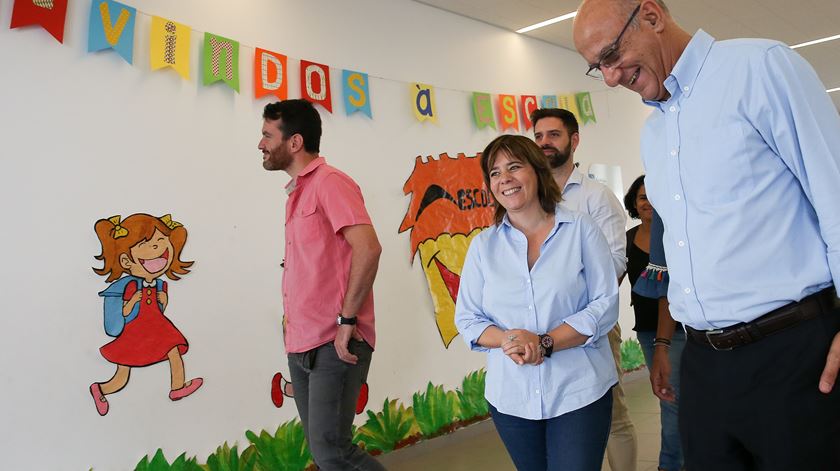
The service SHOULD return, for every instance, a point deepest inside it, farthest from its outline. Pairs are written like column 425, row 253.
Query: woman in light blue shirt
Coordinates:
column 539, row 293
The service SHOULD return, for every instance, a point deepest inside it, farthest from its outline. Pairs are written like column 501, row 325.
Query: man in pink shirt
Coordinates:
column 332, row 254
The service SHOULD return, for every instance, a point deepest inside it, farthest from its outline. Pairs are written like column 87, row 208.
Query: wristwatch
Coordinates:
column 341, row 320
column 546, row 345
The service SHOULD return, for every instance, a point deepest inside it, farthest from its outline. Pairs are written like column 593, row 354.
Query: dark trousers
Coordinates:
column 758, row 407
column 574, row 441
column 326, row 390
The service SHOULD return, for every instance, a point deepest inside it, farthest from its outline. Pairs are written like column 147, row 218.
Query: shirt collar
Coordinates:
column 561, row 215
column 682, row 78
column 575, row 178
column 310, row 167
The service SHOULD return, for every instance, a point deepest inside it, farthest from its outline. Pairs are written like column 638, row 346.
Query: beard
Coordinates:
column 277, row 160
column 559, row 158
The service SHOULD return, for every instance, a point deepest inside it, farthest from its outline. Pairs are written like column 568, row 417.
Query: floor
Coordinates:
column 478, row 447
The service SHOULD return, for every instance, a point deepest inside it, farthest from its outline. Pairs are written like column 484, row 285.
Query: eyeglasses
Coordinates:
column 611, row 55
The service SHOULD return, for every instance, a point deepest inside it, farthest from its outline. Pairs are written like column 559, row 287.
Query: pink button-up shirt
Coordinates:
column 322, row 201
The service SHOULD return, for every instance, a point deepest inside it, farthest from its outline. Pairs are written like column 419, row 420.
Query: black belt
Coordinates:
column 773, row 322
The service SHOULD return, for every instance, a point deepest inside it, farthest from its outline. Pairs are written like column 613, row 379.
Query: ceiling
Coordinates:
column 786, row 21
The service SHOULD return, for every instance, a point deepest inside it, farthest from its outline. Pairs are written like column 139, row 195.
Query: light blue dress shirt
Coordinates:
column 573, row 281
column 743, row 165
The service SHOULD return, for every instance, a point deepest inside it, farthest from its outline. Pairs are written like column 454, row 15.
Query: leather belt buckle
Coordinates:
column 710, row 339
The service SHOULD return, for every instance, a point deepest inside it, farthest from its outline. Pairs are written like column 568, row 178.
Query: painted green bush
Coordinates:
column 159, row 463
column 228, row 459
column 434, row 409
column 286, row 450
column 471, row 396
column 631, row 355
column 383, row 430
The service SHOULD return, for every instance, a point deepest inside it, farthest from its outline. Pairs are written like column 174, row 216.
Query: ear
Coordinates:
column 296, row 143
column 125, row 261
column 652, row 15
column 575, row 141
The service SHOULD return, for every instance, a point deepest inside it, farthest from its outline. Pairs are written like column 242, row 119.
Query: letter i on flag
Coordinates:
column 112, row 27
column 170, row 46
column 508, row 117
column 423, row 102
column 315, row 84
column 48, row 14
column 221, row 60
column 270, row 74
column 356, row 92
column 529, row 104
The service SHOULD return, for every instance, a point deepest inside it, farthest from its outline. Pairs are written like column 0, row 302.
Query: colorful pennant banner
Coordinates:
column 270, row 74
column 170, row 46
column 48, row 14
column 221, row 60
column 112, row 27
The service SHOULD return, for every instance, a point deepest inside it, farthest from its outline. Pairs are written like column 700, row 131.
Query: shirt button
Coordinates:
column 673, row 108
column 673, row 152
column 677, row 197
column 681, row 243
column 687, row 290
column 538, row 391
column 685, row 89
column 530, row 307
column 148, row 301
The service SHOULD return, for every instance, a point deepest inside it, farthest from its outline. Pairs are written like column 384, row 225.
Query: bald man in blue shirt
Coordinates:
column 742, row 155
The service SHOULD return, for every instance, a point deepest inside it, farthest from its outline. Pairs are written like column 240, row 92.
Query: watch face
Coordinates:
column 546, row 341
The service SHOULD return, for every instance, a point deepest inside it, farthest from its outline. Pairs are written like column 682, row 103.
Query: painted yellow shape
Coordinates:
column 450, row 250
column 113, row 33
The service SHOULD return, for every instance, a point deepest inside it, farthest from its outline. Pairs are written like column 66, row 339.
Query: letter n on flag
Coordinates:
column 315, row 84
column 270, row 74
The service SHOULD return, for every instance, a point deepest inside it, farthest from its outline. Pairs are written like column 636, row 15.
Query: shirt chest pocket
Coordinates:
column 308, row 222
column 717, row 167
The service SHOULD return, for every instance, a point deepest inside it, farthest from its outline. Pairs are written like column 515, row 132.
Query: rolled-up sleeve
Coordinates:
column 469, row 316
column 601, row 313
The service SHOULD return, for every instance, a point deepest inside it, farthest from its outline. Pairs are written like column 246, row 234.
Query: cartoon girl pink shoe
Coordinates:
column 143, row 248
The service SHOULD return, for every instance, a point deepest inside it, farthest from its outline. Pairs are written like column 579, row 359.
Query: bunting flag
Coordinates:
column 483, row 110
column 584, row 104
column 423, row 102
column 112, row 27
column 356, row 92
column 270, row 74
column 528, row 105
column 549, row 101
column 170, row 46
column 567, row 102
column 315, row 84
column 221, row 60
column 48, row 14
column 508, row 118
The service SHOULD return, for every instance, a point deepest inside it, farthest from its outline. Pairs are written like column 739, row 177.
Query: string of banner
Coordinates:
column 112, row 26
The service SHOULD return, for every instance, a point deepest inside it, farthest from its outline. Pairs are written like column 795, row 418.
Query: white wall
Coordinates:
column 86, row 136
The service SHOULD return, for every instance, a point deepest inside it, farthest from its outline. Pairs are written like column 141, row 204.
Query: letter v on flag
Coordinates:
column 112, row 27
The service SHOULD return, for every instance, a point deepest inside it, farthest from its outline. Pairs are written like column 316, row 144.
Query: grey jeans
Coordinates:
column 326, row 390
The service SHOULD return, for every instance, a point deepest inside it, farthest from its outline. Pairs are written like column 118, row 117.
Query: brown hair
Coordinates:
column 140, row 228
column 524, row 150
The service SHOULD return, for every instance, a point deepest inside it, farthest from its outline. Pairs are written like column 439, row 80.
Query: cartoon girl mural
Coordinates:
column 143, row 248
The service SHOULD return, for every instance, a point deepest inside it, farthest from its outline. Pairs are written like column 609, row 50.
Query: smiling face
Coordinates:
column 513, row 183
column 643, row 206
column 149, row 259
column 276, row 154
column 640, row 63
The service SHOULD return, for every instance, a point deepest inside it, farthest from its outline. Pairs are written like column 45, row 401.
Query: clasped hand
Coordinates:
column 522, row 346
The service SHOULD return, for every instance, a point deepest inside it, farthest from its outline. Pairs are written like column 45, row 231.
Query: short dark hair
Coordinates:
column 524, row 150
column 568, row 118
column 630, row 197
column 299, row 117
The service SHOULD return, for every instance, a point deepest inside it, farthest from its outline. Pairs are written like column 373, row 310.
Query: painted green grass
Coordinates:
column 228, row 459
column 286, row 450
column 471, row 396
column 631, row 355
column 159, row 463
column 383, row 430
column 434, row 409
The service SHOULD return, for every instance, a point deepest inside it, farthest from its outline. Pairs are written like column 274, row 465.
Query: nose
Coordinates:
column 612, row 76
